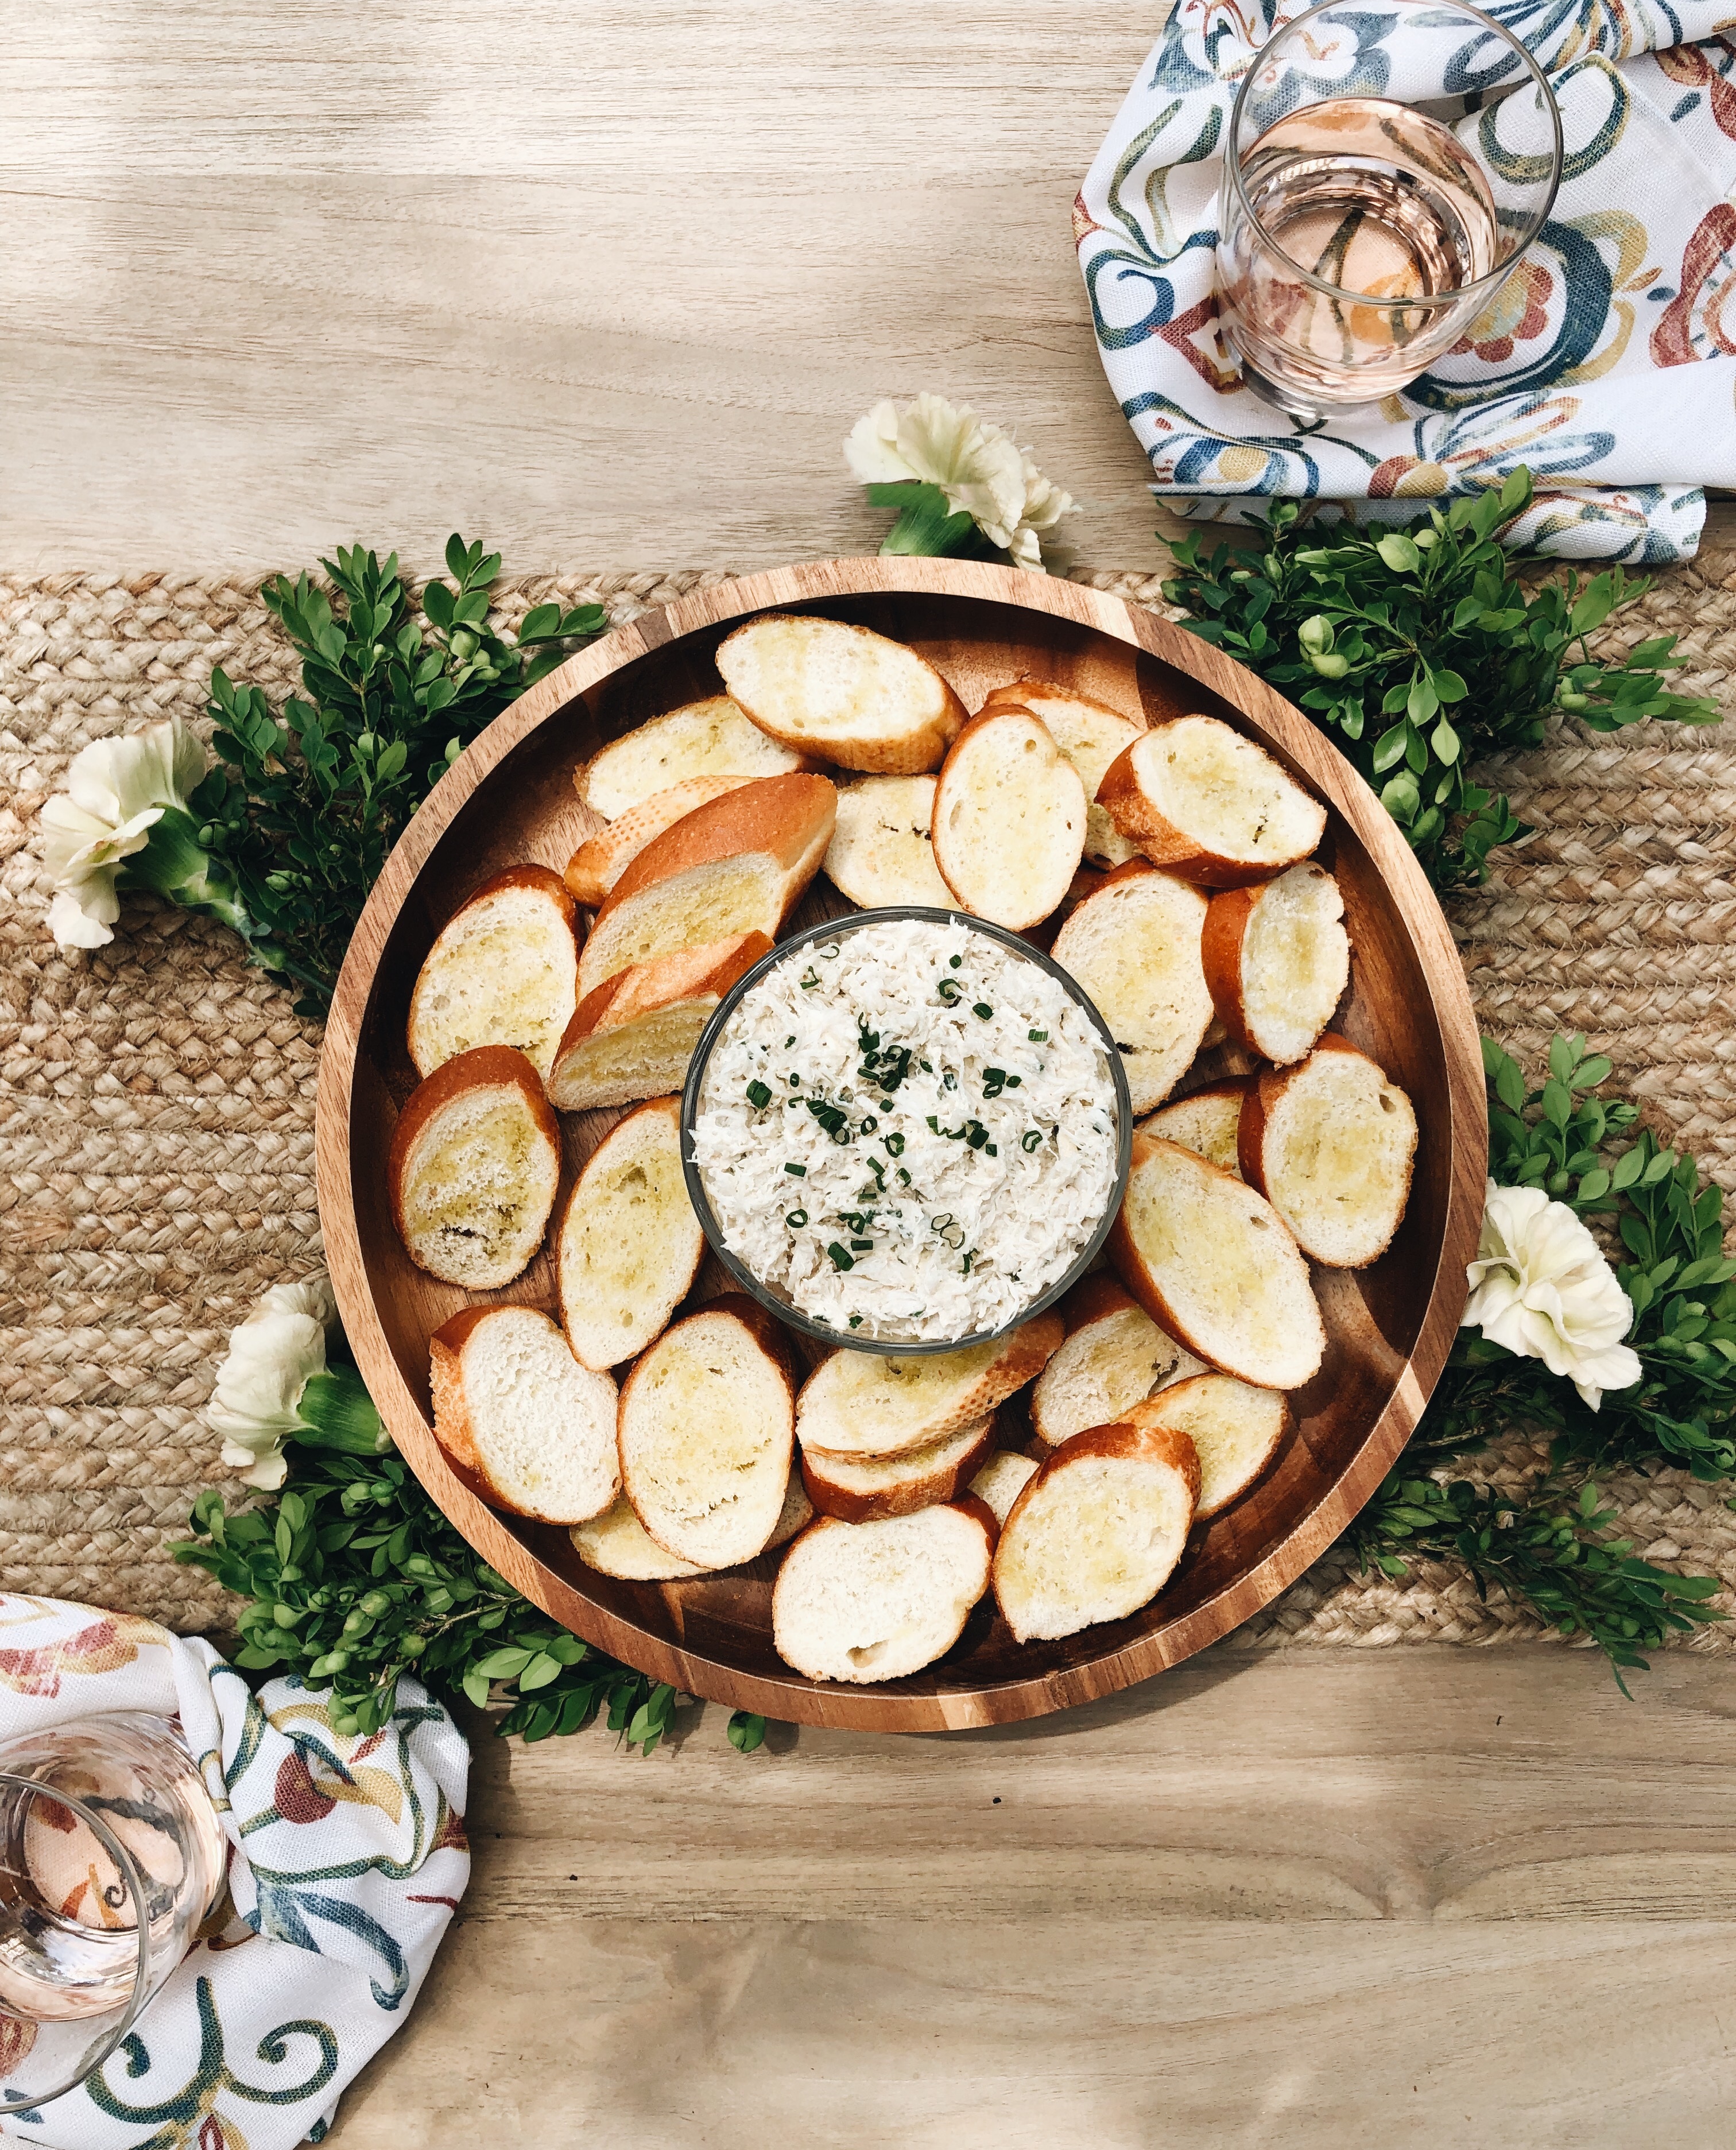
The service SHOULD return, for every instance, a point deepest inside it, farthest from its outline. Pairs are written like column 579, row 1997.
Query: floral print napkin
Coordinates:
column 347, row 1859
column 1608, row 363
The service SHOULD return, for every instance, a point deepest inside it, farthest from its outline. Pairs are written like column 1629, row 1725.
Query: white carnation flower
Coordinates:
column 273, row 1354
column 117, row 790
column 1541, row 1288
column 981, row 469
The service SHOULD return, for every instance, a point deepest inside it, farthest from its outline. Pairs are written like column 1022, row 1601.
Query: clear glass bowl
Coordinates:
column 769, row 1295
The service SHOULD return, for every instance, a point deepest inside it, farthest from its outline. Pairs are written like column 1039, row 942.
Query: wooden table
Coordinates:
column 608, row 288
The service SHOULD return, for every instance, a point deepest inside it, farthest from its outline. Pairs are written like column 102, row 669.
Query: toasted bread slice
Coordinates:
column 862, row 1601
column 1009, row 819
column 1204, row 1121
column 1002, row 1480
column 1331, row 1145
column 600, row 861
column 1278, row 959
column 710, row 738
column 1236, row 1431
column 634, row 1035
column 1214, row 1265
column 474, row 1167
column 859, row 1490
column 1114, row 1357
column 629, row 1246
column 1090, row 734
column 858, row 1404
column 504, row 971
column 881, row 851
column 1210, row 805
column 617, row 1544
column 1134, row 947
column 1097, row 1533
column 736, row 865
column 525, row 1424
column 705, row 1430
column 841, row 692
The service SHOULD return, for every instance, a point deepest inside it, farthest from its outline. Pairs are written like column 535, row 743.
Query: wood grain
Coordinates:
column 509, row 798
column 1431, row 1896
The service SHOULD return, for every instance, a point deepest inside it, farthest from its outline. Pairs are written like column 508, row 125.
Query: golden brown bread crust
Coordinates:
column 1150, row 1413
column 913, row 755
column 452, row 1425
column 543, row 879
column 601, row 859
column 791, row 817
column 973, row 1504
column 1227, row 918
column 981, row 722
column 484, row 1066
column 1093, row 1299
column 1024, row 1353
column 644, row 987
column 1139, row 821
column 1013, row 695
column 1264, row 1091
column 933, row 1488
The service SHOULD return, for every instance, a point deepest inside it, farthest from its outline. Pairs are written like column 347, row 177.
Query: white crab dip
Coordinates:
column 907, row 1130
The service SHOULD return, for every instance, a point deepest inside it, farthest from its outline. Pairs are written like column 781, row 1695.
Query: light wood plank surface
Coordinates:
column 610, row 288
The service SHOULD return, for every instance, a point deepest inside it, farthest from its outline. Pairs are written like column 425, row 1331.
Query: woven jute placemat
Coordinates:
column 157, row 1096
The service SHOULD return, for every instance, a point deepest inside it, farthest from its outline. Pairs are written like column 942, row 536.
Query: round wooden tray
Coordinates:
column 510, row 799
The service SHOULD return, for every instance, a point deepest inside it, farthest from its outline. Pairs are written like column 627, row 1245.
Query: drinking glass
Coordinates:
column 111, row 1853
column 1384, row 172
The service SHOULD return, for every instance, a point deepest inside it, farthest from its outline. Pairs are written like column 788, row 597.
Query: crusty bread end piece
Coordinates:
column 858, row 1404
column 629, row 1246
column 863, row 1490
column 1200, row 800
column 1214, row 1265
column 1205, row 1120
column 635, row 1035
column 1098, row 1532
column 1090, row 734
column 843, row 694
column 865, row 1602
column 705, row 1430
column 474, row 1167
column 1277, row 960
column 1134, row 947
column 710, row 738
column 527, row 1427
column 881, row 851
column 600, row 860
column 1113, row 1357
column 1009, row 819
column 504, row 971
column 1332, row 1144
column 1236, row 1431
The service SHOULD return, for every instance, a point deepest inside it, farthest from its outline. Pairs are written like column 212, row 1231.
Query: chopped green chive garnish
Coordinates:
column 758, row 1097
column 790, row 1041
column 855, row 1321
column 1031, row 1141
column 862, row 1246
column 950, row 992
column 955, row 961
column 869, row 1124
column 990, row 1150
column 982, row 1008
column 934, row 1125
column 797, row 1171
column 904, row 1178
column 1013, row 1082
column 977, row 1135
column 925, row 1066
column 811, row 978
column 894, row 1145
column 796, row 1219
column 1038, row 1036
column 839, row 1259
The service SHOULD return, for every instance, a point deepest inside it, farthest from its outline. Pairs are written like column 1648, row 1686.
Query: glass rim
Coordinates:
column 135, row 1879
column 1432, row 302
column 887, row 1347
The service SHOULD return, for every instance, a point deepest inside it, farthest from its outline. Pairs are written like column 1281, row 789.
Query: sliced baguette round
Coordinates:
column 1206, row 1121
column 1236, row 1431
column 1002, row 1480
column 1210, row 805
column 710, row 738
column 1278, row 959
column 881, row 851
column 634, row 1035
column 1098, row 1532
column 858, row 1404
column 1134, row 947
column 705, row 1426
column 1114, row 1356
column 474, row 1167
column 1331, row 1144
column 528, row 1427
column 617, row 1544
column 736, row 865
column 842, row 694
column 504, row 971
column 600, row 860
column 1009, row 819
column 860, row 1602
column 628, row 1245
column 1090, row 734
column 1214, row 1265
column 864, row 1490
